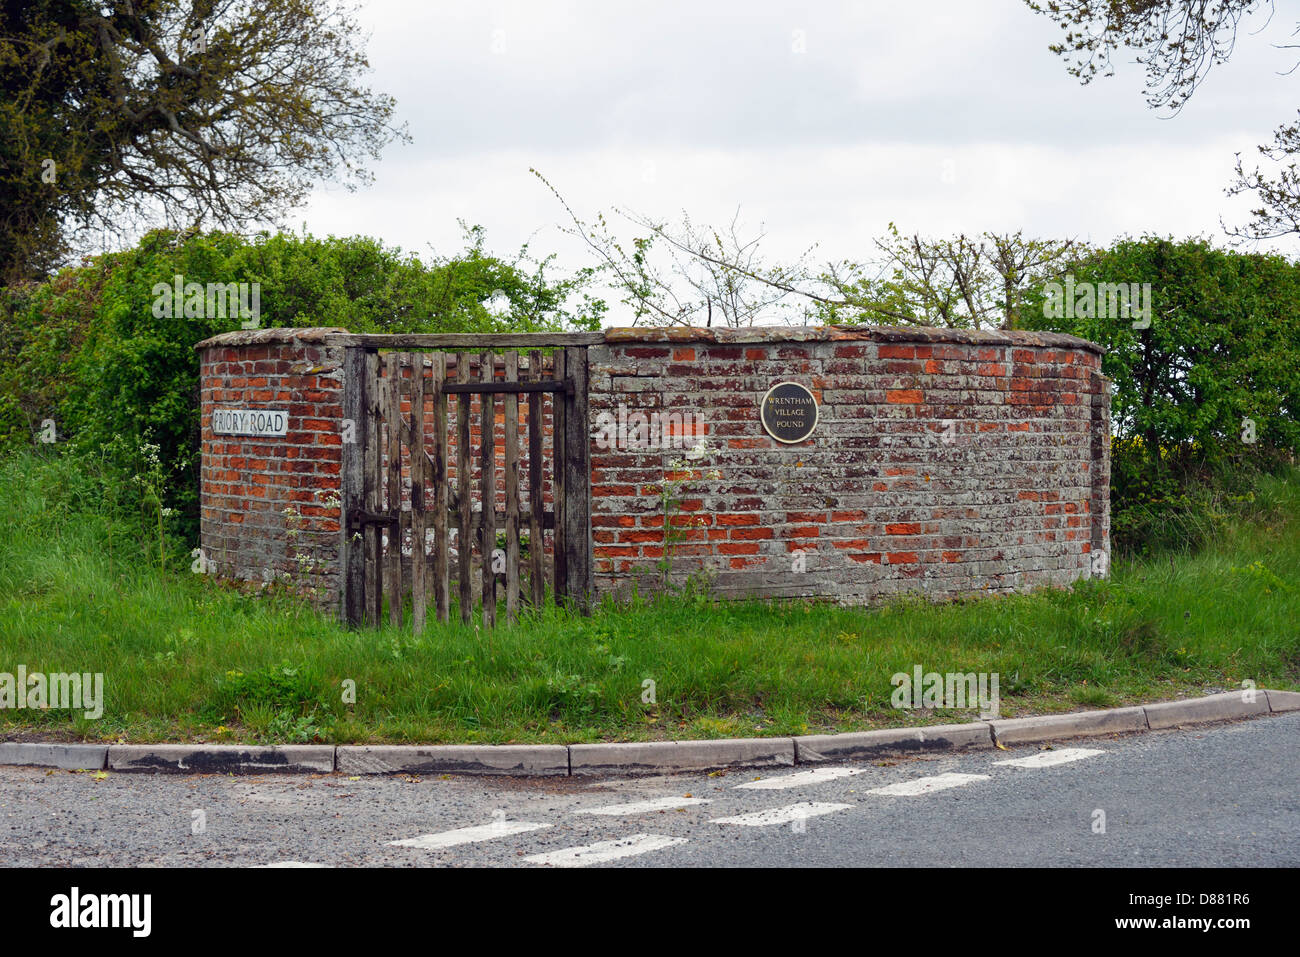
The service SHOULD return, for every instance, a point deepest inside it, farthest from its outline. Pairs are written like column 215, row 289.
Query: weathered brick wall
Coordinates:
column 269, row 504
column 944, row 461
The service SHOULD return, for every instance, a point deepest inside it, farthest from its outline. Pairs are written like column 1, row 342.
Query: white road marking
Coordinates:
column 1046, row 759
column 782, row 815
column 292, row 864
column 467, row 835
column 642, row 807
column 603, row 851
column 815, row 776
column 928, row 785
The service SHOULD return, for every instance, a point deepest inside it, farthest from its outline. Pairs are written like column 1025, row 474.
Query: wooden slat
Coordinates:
column 465, row 534
column 559, row 416
column 374, row 494
column 488, row 471
column 577, row 482
column 437, row 470
column 536, row 543
column 419, row 498
column 453, row 518
column 511, row 440
column 393, row 363
column 352, row 562
column 406, row 534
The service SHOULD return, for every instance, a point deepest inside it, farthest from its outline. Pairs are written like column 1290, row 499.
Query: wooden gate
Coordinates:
column 411, row 410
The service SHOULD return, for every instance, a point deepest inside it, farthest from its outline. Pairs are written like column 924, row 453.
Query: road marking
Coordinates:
column 782, row 815
column 603, row 851
column 928, row 785
column 816, row 776
column 292, row 864
column 467, row 835
column 642, row 807
column 1047, row 759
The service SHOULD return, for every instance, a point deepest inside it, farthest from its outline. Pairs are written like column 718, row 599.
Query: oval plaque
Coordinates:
column 789, row 412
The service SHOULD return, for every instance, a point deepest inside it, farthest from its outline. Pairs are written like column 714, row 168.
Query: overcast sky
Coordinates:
column 823, row 121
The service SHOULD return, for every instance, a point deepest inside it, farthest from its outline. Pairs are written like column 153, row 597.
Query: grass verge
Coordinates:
column 185, row 658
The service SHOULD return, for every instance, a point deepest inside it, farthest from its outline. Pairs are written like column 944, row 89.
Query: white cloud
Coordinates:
column 706, row 107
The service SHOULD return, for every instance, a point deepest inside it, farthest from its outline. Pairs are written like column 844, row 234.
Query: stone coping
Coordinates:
column 686, row 334
column 314, row 335
column 932, row 334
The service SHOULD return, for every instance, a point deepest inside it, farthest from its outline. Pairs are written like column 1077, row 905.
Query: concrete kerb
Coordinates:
column 863, row 745
column 518, row 759
column 1283, row 700
column 1076, row 724
column 222, row 758
column 669, row 756
column 643, row 757
column 1215, row 707
column 66, row 757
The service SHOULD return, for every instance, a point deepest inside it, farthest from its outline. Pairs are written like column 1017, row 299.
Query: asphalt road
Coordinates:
column 1226, row 795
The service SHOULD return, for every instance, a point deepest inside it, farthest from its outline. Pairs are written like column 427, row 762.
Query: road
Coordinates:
column 1226, row 795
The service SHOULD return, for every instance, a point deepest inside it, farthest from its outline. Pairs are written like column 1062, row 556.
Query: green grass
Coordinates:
column 185, row 658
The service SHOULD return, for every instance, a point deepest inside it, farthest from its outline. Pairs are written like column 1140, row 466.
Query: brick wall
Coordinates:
column 944, row 461
column 248, row 483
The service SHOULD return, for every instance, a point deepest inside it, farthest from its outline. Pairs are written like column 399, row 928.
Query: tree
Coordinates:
column 1178, row 42
column 89, row 350
column 690, row 274
column 224, row 111
column 1021, row 263
column 703, row 275
column 961, row 282
column 1222, row 349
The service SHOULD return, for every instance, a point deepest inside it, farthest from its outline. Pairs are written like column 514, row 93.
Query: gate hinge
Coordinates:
column 359, row 518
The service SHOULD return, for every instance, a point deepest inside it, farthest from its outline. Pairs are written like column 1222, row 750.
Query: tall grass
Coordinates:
column 185, row 657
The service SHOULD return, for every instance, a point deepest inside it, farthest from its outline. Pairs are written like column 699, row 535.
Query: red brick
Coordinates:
column 898, row 352
column 612, row 551
column 745, row 518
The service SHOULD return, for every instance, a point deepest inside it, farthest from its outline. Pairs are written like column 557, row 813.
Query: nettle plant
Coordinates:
column 679, row 476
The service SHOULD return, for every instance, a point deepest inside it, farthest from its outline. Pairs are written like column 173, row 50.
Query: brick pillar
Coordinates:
column 269, row 502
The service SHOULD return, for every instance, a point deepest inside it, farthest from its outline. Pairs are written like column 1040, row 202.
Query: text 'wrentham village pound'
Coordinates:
column 789, row 412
